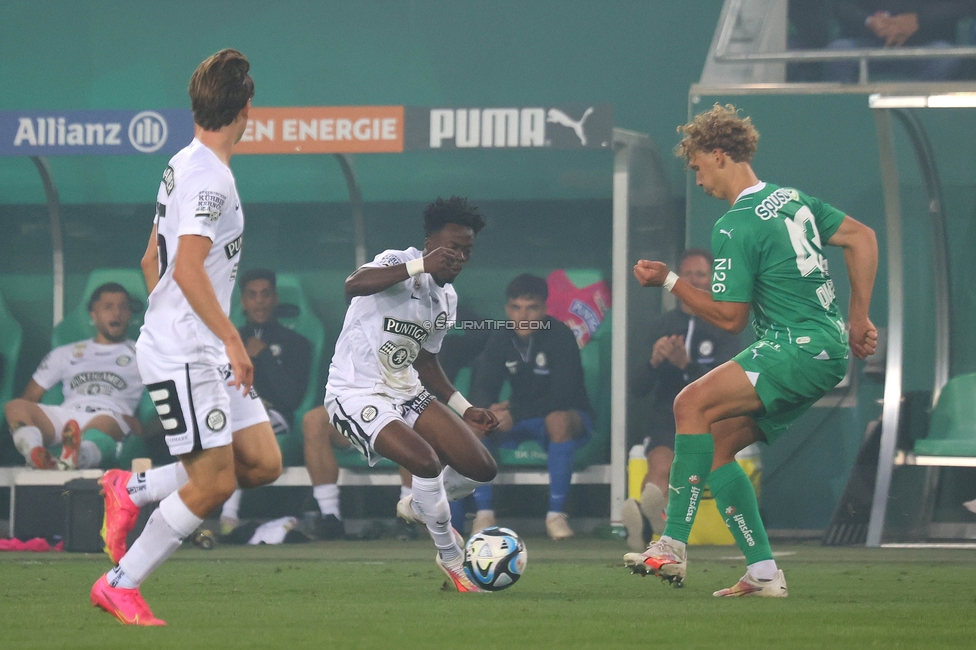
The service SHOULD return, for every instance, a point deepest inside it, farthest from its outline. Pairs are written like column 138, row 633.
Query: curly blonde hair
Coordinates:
column 719, row 128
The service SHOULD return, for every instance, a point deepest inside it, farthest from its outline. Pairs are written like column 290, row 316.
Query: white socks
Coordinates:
column 430, row 503
column 89, row 455
column 675, row 544
column 167, row 527
column 26, row 438
column 405, row 491
column 232, row 506
column 457, row 486
column 157, row 483
column 327, row 496
column 763, row 570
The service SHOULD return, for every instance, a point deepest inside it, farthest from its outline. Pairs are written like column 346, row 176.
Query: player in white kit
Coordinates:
column 188, row 340
column 385, row 362
column 101, row 387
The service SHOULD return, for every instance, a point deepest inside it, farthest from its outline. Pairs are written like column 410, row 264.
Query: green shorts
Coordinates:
column 788, row 380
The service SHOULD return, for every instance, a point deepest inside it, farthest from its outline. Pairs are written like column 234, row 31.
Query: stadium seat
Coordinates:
column 11, row 337
column 77, row 324
column 290, row 292
column 952, row 431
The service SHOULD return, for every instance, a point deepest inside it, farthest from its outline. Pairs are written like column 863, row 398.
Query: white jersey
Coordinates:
column 94, row 376
column 383, row 333
column 197, row 196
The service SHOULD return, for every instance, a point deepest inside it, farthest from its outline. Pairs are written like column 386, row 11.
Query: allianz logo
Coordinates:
column 147, row 132
column 500, row 127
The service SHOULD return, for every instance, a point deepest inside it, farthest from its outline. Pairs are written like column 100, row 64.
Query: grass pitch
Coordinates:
column 574, row 594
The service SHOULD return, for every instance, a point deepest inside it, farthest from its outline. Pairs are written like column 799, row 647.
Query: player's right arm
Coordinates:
column 729, row 316
column 860, row 246
column 369, row 279
column 191, row 277
column 34, row 392
column 150, row 262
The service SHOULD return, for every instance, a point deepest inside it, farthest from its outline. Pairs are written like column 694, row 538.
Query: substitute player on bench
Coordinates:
column 402, row 307
column 187, row 340
column 101, row 388
column 769, row 254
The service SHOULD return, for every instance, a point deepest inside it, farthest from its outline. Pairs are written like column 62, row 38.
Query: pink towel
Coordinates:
column 37, row 544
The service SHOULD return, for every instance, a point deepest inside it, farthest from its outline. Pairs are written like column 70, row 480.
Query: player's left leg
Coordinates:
column 469, row 463
column 564, row 430
column 91, row 444
column 257, row 456
column 736, row 501
column 723, row 393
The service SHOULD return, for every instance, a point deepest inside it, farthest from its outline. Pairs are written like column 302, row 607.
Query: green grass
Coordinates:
column 574, row 594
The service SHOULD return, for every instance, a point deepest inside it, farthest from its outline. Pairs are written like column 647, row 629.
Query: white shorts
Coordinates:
column 59, row 416
column 360, row 416
column 195, row 404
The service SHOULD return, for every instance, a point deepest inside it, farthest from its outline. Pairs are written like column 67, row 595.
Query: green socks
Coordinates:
column 736, row 501
column 100, row 452
column 689, row 473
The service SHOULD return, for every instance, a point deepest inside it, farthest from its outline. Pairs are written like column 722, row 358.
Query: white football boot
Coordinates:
column 660, row 559
column 749, row 586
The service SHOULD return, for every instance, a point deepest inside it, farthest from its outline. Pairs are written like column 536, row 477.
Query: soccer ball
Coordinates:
column 495, row 558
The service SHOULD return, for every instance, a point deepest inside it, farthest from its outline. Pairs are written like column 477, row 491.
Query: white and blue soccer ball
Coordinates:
column 495, row 558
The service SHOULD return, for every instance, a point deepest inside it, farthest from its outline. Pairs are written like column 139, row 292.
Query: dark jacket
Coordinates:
column 936, row 18
column 281, row 370
column 710, row 347
column 545, row 377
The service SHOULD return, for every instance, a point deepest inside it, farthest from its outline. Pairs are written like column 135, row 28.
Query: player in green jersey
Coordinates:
column 768, row 257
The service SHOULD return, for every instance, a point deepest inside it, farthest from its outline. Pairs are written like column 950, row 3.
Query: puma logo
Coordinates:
column 728, row 232
column 556, row 116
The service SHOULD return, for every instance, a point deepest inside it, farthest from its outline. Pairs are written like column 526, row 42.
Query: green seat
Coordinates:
column 77, row 324
column 11, row 337
column 952, row 431
column 290, row 292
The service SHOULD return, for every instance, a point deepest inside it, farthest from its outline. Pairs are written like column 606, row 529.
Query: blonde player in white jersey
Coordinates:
column 101, row 387
column 188, row 339
column 385, row 362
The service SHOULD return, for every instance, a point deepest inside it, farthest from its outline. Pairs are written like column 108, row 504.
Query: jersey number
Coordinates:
column 163, row 260
column 808, row 258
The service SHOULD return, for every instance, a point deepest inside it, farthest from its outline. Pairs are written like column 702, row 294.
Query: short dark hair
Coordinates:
column 251, row 275
column 695, row 252
column 108, row 287
column 219, row 89
column 527, row 286
column 454, row 210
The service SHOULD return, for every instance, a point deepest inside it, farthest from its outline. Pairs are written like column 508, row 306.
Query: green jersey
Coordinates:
column 769, row 252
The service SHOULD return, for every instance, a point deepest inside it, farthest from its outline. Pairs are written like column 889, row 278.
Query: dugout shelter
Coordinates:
column 638, row 222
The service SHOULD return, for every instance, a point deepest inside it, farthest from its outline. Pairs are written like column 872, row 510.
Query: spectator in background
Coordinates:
column 101, row 387
column 685, row 348
column 548, row 404
column 282, row 362
column 897, row 23
column 808, row 29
